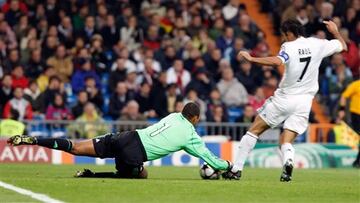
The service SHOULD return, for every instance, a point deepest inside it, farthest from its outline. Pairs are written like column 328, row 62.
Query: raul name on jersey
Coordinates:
column 305, row 51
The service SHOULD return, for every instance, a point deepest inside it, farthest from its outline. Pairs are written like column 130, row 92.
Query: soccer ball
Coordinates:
column 206, row 172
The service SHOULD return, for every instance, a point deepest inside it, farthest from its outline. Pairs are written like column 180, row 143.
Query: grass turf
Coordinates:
column 175, row 184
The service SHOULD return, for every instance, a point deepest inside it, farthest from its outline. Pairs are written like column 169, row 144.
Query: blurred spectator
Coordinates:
column 12, row 61
column 231, row 10
column 82, row 99
column 89, row 124
column 246, row 30
column 212, row 62
column 8, row 35
column 225, row 42
column 233, row 93
column 49, row 47
column 144, row 54
column 192, row 96
column 195, row 26
column 20, row 104
column 62, row 64
column 98, row 56
column 215, row 100
column 118, row 100
column 119, row 74
column 94, row 93
column 66, row 31
column 158, row 94
column 217, row 116
column 144, row 100
column 167, row 57
column 35, row 65
column 217, row 29
column 202, row 83
column 18, row 78
column 149, row 73
column 337, row 76
column 47, row 97
column 132, row 82
column 124, row 54
column 270, row 86
column 6, row 90
column 153, row 7
column 32, row 95
column 248, row 115
column 325, row 13
column 352, row 57
column 178, row 75
column 78, row 79
column 257, row 99
column 43, row 79
column 11, row 126
column 131, row 34
column 13, row 9
column 152, row 39
column 57, row 110
column 89, row 29
column 165, row 103
column 131, row 112
column 28, row 44
column 248, row 75
column 179, row 105
column 110, row 32
column 292, row 10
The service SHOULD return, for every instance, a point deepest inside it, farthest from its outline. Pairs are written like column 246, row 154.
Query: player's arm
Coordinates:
column 270, row 61
column 197, row 148
column 332, row 28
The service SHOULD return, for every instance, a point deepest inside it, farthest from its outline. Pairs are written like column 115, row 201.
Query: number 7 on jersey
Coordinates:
column 307, row 60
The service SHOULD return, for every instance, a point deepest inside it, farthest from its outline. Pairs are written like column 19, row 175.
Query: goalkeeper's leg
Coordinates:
column 82, row 148
column 136, row 172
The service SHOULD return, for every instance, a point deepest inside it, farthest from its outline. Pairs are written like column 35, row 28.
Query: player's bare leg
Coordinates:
column 247, row 143
column 288, row 152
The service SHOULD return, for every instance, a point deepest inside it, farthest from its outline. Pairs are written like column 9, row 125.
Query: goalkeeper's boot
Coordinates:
column 287, row 171
column 21, row 140
column 228, row 175
column 86, row 173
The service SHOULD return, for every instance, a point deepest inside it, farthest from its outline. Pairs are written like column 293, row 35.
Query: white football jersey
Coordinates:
column 302, row 58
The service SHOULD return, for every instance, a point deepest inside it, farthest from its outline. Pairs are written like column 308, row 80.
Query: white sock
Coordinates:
column 247, row 143
column 288, row 152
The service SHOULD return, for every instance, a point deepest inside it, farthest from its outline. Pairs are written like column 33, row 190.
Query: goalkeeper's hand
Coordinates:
column 232, row 173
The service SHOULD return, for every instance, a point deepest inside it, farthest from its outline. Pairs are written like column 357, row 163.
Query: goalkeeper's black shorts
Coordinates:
column 125, row 147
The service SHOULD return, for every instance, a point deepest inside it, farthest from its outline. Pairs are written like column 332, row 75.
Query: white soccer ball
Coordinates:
column 206, row 172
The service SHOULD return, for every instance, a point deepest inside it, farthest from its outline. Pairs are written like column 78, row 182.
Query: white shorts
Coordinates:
column 292, row 110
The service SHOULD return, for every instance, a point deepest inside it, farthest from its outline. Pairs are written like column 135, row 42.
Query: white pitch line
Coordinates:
column 37, row 196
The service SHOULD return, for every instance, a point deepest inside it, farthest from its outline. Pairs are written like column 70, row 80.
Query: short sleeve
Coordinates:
column 330, row 47
column 283, row 55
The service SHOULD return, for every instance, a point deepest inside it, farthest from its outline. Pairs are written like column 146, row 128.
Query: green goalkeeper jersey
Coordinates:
column 174, row 133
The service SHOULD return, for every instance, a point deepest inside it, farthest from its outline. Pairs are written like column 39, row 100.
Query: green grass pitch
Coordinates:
column 176, row 184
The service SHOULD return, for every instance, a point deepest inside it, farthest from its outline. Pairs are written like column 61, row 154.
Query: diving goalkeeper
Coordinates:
column 130, row 149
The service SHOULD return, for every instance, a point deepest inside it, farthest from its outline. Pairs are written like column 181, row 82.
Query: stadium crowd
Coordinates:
column 92, row 60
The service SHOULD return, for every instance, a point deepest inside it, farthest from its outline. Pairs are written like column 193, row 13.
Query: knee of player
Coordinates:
column 75, row 149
